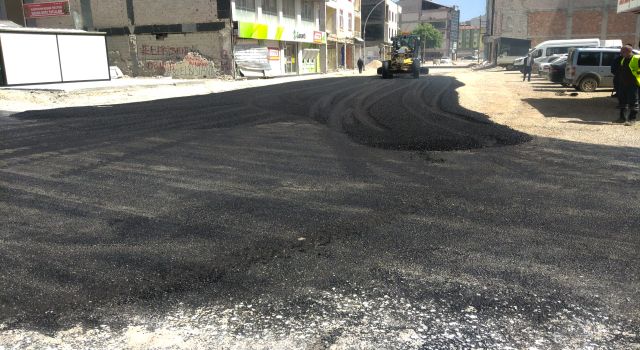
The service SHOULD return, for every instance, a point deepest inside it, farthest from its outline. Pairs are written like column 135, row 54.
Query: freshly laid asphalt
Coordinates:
column 333, row 213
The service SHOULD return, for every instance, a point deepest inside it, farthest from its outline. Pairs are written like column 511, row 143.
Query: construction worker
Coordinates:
column 628, row 83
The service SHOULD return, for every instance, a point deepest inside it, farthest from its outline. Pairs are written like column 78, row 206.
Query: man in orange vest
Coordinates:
column 628, row 83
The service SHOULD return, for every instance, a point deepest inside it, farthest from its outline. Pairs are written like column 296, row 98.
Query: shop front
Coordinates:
column 270, row 50
column 340, row 53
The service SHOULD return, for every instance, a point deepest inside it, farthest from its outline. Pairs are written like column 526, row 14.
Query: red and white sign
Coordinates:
column 274, row 54
column 46, row 9
column 628, row 6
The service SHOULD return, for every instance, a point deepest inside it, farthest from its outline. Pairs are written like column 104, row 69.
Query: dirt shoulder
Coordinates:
column 136, row 90
column 544, row 109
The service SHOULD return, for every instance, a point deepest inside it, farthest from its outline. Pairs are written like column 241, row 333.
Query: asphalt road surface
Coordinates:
column 336, row 213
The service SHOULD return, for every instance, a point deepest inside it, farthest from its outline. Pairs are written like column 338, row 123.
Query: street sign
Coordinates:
column 46, row 9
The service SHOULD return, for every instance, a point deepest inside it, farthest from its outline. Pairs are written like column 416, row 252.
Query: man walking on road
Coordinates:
column 628, row 82
column 360, row 64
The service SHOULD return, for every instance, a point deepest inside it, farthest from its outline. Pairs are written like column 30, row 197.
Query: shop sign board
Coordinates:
column 46, row 9
column 274, row 54
column 252, row 57
column 261, row 31
column 628, row 6
column 319, row 37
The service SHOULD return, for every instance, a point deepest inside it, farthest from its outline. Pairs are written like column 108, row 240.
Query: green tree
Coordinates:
column 430, row 36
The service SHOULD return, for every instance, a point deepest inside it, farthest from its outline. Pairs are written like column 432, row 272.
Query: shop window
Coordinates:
column 247, row 5
column 307, row 10
column 289, row 8
column 270, row 7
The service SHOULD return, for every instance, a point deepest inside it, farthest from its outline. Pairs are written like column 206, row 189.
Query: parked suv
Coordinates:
column 590, row 68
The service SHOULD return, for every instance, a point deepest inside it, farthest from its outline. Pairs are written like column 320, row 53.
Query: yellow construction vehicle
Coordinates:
column 403, row 56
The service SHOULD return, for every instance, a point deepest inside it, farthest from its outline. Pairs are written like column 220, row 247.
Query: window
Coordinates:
column 589, row 59
column 289, row 8
column 608, row 58
column 341, row 19
column 557, row 50
column 350, row 21
column 307, row 10
column 270, row 7
column 247, row 5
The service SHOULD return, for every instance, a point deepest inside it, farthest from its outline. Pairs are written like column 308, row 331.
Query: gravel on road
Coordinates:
column 313, row 215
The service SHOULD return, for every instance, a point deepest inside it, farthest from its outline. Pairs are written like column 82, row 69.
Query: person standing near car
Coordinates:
column 528, row 67
column 615, row 70
column 360, row 64
column 628, row 83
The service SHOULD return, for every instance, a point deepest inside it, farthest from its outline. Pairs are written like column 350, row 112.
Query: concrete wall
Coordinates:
column 185, row 55
column 13, row 11
column 183, row 39
column 163, row 12
column 541, row 20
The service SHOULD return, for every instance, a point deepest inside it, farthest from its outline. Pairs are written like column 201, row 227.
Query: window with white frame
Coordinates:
column 307, row 10
column 247, row 5
column 341, row 19
column 270, row 7
column 350, row 22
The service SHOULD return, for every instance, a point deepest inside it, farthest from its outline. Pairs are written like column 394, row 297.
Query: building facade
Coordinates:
column 470, row 42
column 382, row 25
column 343, row 21
column 206, row 38
column 540, row 20
column 443, row 18
column 278, row 37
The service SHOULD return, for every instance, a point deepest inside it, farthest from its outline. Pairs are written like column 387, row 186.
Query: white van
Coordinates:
column 555, row 47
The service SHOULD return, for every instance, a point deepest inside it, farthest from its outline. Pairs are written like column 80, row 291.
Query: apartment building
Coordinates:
column 540, row 20
column 343, row 23
column 382, row 23
column 279, row 37
column 470, row 42
column 444, row 18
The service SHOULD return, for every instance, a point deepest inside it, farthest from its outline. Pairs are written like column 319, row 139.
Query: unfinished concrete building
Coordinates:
column 444, row 18
column 541, row 20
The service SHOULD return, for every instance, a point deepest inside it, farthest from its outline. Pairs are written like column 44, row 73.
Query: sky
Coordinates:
column 468, row 8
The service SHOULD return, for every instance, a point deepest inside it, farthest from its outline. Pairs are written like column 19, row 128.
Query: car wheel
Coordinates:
column 510, row 67
column 588, row 84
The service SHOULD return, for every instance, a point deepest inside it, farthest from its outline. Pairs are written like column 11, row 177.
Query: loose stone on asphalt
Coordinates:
column 305, row 217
